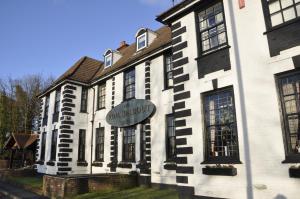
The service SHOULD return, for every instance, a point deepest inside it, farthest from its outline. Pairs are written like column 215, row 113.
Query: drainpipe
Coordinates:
column 92, row 139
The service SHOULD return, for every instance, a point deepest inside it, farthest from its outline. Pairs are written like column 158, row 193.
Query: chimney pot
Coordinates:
column 123, row 45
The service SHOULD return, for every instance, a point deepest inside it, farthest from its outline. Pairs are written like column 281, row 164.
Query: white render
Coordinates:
column 261, row 145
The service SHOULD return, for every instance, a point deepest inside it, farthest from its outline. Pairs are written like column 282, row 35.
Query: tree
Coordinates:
column 19, row 105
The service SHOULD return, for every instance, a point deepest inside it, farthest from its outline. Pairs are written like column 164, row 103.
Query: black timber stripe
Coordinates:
column 148, row 158
column 148, row 139
column 67, row 131
column 180, row 62
column 63, row 164
column 66, row 109
column 64, row 136
column 148, row 145
column 178, row 71
column 147, row 86
column 179, row 47
column 182, row 132
column 176, row 26
column 147, row 74
column 181, row 78
column 65, row 127
column 184, row 150
column 182, row 96
column 181, row 160
column 176, row 40
column 180, row 123
column 182, row 179
column 68, row 113
column 67, row 122
column 65, row 159
column 178, row 88
column 147, row 80
column 66, row 140
column 63, row 145
column 179, row 105
column 183, row 113
column 68, row 92
column 147, row 91
column 147, row 69
column 177, row 55
column 69, row 96
column 147, row 97
column 180, row 141
column 68, row 105
column 64, row 169
column 65, row 150
column 179, row 32
column 61, row 173
column 63, row 155
column 70, row 87
column 181, row 169
column 67, row 100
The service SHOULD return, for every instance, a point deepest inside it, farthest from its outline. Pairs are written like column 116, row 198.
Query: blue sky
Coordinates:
column 47, row 36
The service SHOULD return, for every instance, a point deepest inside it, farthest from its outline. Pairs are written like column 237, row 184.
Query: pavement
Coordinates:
column 11, row 192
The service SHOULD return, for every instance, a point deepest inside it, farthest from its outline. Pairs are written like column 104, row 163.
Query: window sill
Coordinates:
column 212, row 52
column 294, row 172
column 220, row 171
column 223, row 161
column 99, row 109
column 97, row 164
column 282, row 25
column 84, row 112
column 82, row 163
column 50, row 163
column 125, row 165
column 291, row 159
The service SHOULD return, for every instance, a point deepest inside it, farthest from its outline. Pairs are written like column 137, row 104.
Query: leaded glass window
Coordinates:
column 220, row 126
column 212, row 28
column 129, row 144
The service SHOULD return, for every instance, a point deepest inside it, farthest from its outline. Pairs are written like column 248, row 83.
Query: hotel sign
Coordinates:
column 130, row 113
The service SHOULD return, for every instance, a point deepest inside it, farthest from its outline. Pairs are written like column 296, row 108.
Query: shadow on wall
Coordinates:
column 279, row 196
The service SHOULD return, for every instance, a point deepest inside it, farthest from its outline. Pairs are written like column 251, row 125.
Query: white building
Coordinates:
column 223, row 77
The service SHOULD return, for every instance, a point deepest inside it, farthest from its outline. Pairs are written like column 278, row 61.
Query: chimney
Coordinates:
column 123, row 45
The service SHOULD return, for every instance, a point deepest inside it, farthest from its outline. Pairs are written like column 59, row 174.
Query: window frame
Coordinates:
column 125, row 86
column 267, row 15
column 143, row 145
column 99, row 151
column 169, row 158
column 205, row 6
column 57, row 101
column 43, row 146
column 110, row 55
column 166, row 72
column 125, row 158
column 219, row 159
column 137, row 41
column 54, row 145
column 81, row 145
column 289, row 157
column 101, row 97
column 46, row 110
column 84, row 98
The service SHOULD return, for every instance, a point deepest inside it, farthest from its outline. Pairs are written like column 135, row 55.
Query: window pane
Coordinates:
column 286, row 3
column 274, row 6
column 289, row 14
column 276, row 19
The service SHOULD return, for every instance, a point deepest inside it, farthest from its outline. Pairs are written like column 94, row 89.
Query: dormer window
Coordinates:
column 141, row 41
column 108, row 60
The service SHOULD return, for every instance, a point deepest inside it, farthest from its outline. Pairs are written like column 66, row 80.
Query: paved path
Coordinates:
column 12, row 192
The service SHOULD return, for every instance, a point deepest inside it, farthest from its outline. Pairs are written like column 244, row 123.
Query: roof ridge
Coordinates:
column 77, row 66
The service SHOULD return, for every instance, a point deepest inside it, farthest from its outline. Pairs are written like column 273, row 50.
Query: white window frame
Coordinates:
column 137, row 41
column 105, row 60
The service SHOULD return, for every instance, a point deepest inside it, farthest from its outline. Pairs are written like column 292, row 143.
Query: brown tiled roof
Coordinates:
column 129, row 54
column 20, row 141
column 83, row 70
column 87, row 70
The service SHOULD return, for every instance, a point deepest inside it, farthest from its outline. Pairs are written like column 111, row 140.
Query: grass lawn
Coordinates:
column 135, row 193
column 33, row 182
